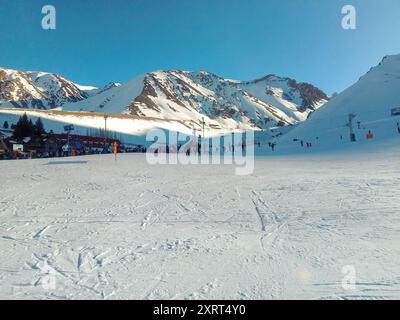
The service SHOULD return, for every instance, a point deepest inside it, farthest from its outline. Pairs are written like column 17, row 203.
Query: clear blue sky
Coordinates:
column 98, row 41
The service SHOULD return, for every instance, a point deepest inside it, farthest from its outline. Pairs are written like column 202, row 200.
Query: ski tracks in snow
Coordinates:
column 128, row 230
column 271, row 224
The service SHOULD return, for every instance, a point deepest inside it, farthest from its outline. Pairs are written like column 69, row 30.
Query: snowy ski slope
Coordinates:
column 115, row 230
column 371, row 100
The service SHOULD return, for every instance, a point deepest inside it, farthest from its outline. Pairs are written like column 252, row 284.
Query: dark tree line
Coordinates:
column 26, row 128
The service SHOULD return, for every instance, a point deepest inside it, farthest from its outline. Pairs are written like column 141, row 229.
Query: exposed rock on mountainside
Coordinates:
column 40, row 90
column 179, row 95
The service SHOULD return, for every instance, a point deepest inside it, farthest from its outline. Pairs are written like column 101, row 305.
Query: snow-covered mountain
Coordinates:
column 40, row 90
column 190, row 96
column 177, row 95
column 371, row 100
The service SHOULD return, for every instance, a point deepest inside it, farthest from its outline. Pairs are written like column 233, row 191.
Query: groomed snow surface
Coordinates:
column 97, row 228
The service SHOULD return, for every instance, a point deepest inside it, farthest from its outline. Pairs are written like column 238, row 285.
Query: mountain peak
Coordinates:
column 172, row 94
column 32, row 89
